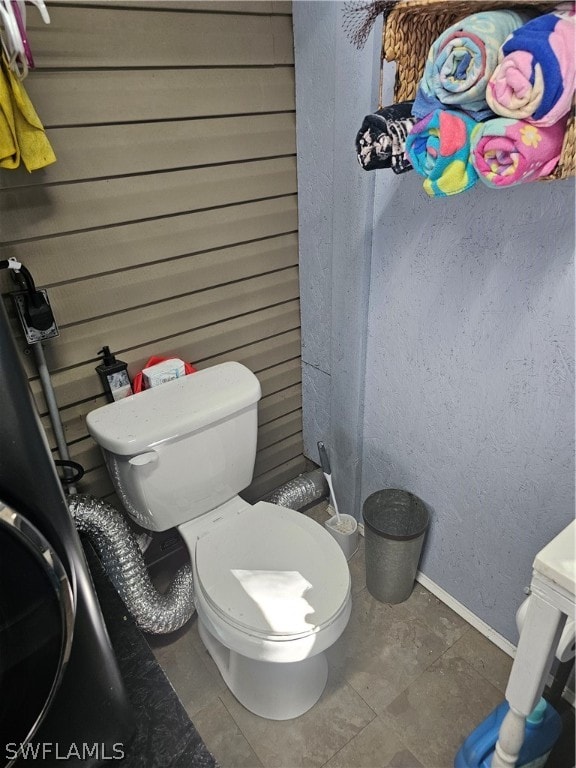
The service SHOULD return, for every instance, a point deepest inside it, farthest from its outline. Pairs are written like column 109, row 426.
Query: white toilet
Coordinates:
column 272, row 587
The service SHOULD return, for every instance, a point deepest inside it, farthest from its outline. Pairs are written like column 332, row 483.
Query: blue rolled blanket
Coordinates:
column 439, row 148
column 461, row 62
column 536, row 77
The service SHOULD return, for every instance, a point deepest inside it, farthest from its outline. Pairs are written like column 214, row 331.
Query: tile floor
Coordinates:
column 407, row 683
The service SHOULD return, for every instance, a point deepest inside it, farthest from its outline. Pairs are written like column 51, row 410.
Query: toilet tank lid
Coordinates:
column 174, row 409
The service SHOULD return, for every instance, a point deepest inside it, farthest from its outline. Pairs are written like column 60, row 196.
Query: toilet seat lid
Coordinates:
column 272, row 572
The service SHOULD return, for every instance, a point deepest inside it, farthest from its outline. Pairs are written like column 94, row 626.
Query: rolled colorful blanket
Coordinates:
column 536, row 75
column 381, row 140
column 461, row 61
column 439, row 148
column 507, row 152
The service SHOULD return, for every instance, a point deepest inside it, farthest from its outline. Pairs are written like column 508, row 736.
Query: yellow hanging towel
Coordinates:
column 22, row 135
column 9, row 151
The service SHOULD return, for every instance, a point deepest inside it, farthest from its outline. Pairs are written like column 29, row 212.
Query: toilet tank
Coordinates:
column 183, row 448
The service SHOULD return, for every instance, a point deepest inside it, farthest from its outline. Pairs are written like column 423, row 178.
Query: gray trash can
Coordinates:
column 395, row 523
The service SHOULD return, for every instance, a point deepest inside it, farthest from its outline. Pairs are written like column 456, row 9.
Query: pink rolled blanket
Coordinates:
column 536, row 74
column 505, row 152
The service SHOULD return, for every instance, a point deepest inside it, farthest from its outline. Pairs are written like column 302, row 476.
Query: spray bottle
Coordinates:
column 114, row 376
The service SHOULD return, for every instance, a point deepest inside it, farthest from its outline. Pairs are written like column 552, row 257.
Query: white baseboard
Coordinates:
column 484, row 629
column 465, row 613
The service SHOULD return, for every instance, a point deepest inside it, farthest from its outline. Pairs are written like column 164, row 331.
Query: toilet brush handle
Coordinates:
column 332, row 496
column 324, row 460
column 325, row 463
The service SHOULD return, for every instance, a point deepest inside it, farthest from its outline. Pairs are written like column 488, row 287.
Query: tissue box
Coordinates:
column 163, row 372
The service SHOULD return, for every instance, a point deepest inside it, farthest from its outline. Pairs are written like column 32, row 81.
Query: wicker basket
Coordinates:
column 413, row 25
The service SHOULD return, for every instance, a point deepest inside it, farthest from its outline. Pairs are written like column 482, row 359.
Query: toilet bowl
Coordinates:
column 267, row 613
column 272, row 587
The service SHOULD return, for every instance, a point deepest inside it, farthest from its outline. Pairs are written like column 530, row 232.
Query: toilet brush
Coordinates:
column 343, row 528
column 325, row 464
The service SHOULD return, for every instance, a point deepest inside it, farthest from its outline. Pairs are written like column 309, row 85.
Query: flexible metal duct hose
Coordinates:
column 303, row 490
column 116, row 545
column 122, row 559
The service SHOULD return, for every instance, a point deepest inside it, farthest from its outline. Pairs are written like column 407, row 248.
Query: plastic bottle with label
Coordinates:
column 114, row 376
column 543, row 727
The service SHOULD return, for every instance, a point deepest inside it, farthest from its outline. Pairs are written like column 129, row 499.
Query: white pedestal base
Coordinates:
column 272, row 690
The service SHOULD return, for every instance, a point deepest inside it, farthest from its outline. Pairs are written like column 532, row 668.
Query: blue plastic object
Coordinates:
column 543, row 727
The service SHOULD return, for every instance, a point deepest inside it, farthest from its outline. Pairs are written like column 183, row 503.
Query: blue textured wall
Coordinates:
column 454, row 323
column 470, row 378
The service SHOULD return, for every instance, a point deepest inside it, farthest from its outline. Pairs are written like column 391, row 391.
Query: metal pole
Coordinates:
column 53, row 409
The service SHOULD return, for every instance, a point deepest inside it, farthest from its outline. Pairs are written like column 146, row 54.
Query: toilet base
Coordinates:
column 274, row 690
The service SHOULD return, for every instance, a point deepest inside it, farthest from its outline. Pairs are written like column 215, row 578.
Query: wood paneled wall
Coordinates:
column 169, row 223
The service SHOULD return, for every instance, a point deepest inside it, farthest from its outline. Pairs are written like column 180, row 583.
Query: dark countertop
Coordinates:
column 165, row 737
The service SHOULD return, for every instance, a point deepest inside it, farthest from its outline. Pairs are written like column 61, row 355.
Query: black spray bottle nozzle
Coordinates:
column 107, row 356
